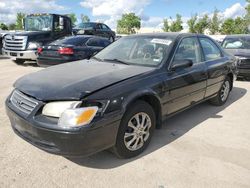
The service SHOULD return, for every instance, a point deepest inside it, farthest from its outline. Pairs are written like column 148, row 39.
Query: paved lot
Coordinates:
column 205, row 146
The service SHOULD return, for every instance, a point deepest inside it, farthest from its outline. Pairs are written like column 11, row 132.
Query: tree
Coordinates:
column 128, row 23
column 240, row 26
column 227, row 27
column 202, row 24
column 3, row 26
column 165, row 25
column 12, row 26
column 247, row 16
column 19, row 20
column 73, row 18
column 191, row 23
column 177, row 24
column 84, row 18
column 214, row 26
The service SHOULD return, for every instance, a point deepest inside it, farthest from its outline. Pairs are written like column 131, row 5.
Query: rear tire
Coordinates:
column 135, row 131
column 111, row 39
column 223, row 94
column 19, row 61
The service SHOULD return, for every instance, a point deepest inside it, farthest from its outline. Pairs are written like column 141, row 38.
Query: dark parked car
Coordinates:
column 70, row 49
column 121, row 95
column 239, row 46
column 93, row 28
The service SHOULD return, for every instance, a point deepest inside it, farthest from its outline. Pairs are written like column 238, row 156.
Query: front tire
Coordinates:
column 223, row 94
column 135, row 131
column 19, row 61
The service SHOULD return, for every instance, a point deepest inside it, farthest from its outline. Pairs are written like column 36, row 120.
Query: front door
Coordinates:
column 186, row 84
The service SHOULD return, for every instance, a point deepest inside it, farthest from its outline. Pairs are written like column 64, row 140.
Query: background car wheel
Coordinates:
column 135, row 131
column 19, row 61
column 223, row 94
column 111, row 39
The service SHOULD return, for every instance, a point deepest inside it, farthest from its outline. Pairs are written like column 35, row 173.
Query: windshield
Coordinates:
column 38, row 23
column 237, row 43
column 85, row 25
column 137, row 50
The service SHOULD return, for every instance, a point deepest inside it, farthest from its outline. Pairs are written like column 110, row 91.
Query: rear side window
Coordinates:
column 93, row 42
column 105, row 43
column 210, row 49
column 188, row 49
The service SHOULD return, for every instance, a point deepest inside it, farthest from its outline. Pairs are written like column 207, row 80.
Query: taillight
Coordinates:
column 66, row 51
column 39, row 50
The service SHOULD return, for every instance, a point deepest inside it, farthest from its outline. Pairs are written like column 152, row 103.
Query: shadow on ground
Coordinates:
column 172, row 129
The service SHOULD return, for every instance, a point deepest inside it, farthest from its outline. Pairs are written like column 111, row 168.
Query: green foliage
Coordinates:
column 12, row 26
column 177, row 24
column 234, row 26
column 128, row 23
column 165, row 25
column 215, row 22
column 19, row 20
column 73, row 18
column 3, row 26
column 84, row 18
column 202, row 24
column 191, row 23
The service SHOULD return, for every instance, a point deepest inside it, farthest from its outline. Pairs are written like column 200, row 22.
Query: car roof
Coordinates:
column 169, row 34
column 238, row 36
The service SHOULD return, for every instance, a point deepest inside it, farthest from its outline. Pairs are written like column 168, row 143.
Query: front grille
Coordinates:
column 22, row 102
column 16, row 43
column 245, row 63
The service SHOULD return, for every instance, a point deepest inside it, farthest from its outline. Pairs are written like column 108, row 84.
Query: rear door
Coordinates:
column 216, row 64
column 187, row 85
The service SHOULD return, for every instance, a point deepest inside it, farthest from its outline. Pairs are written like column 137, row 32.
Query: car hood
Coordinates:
column 239, row 52
column 33, row 35
column 75, row 80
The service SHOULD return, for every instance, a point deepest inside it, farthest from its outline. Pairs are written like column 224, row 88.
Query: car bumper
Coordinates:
column 63, row 142
column 28, row 55
column 45, row 62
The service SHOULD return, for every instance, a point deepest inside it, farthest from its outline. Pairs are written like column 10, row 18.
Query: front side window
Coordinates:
column 138, row 50
column 38, row 23
column 188, row 49
column 211, row 51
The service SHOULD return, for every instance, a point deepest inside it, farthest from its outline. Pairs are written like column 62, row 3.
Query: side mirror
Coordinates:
column 182, row 63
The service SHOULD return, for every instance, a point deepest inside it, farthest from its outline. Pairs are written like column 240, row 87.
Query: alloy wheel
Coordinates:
column 137, row 132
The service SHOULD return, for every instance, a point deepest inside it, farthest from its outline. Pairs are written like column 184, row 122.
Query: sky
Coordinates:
column 151, row 12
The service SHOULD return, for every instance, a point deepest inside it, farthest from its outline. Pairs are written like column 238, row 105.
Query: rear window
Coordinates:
column 76, row 41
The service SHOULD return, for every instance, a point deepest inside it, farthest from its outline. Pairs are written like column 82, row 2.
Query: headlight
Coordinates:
column 55, row 109
column 70, row 113
column 33, row 45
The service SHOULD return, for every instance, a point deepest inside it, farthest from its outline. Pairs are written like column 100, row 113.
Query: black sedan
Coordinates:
column 239, row 46
column 70, row 49
column 117, row 98
column 93, row 28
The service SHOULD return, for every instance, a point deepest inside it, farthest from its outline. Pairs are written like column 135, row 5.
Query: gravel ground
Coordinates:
column 205, row 146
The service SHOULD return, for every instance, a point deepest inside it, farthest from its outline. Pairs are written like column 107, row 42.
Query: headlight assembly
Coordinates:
column 74, row 113
column 33, row 45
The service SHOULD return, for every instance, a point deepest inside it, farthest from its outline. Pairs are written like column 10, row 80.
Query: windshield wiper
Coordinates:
column 98, row 59
column 116, row 60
